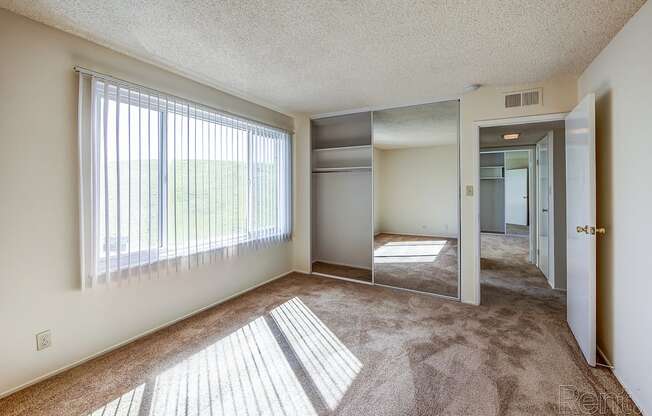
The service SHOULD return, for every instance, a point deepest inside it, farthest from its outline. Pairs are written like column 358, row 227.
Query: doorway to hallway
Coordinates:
column 522, row 202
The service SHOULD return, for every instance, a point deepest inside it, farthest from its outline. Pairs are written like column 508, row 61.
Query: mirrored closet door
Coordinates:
column 416, row 198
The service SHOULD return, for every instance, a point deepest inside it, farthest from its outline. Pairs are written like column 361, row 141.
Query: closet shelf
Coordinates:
column 341, row 169
column 326, row 149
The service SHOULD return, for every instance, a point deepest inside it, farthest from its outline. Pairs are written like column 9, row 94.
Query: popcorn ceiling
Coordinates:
column 325, row 56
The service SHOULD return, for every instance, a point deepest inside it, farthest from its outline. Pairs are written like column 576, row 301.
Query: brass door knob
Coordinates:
column 590, row 230
column 597, row 230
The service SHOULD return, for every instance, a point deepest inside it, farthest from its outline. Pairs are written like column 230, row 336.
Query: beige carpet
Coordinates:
column 307, row 345
column 338, row 270
column 427, row 264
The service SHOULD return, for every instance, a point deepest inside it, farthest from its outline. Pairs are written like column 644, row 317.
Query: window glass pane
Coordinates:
column 130, row 177
column 172, row 180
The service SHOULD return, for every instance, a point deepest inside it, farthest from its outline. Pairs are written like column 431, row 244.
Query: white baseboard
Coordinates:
column 134, row 338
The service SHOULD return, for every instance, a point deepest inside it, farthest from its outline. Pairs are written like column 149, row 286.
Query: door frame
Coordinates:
column 477, row 125
column 551, row 278
column 551, row 211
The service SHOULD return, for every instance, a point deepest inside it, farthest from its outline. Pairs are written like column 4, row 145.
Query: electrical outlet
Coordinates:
column 43, row 340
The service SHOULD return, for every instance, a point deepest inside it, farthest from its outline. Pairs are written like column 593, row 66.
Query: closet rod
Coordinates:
column 338, row 171
column 335, row 170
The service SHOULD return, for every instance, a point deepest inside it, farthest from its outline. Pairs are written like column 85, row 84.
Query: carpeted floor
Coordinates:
column 427, row 264
column 337, row 270
column 307, row 345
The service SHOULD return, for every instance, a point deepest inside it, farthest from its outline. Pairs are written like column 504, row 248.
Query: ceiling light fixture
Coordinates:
column 511, row 136
column 471, row 87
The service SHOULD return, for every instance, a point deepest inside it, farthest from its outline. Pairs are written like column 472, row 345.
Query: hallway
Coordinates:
column 505, row 271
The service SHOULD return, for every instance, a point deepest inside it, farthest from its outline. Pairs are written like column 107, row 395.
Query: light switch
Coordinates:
column 469, row 190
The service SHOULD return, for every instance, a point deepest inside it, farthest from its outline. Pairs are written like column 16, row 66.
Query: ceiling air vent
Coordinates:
column 523, row 98
column 513, row 100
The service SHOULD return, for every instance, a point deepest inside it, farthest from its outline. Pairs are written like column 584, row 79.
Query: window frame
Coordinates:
column 123, row 95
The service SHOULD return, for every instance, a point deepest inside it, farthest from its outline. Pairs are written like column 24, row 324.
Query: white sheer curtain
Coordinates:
column 166, row 183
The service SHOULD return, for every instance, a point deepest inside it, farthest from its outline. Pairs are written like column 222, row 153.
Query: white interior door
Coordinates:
column 516, row 196
column 543, row 206
column 580, row 217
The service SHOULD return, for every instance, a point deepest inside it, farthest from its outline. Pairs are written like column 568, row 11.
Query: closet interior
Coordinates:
column 342, row 210
column 492, row 192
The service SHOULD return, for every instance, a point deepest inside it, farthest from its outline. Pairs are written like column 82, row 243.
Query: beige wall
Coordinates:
column 559, row 95
column 39, row 248
column 302, row 187
column 621, row 78
column 417, row 190
column 516, row 160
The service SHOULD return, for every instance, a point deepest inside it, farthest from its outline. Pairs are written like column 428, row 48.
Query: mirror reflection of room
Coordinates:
column 416, row 200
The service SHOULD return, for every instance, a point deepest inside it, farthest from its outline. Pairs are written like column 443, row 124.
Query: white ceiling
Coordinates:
column 316, row 57
column 529, row 134
column 417, row 126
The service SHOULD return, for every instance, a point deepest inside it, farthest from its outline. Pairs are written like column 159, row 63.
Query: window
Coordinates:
column 168, row 182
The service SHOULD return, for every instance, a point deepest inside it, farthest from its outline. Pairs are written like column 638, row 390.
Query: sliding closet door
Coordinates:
column 416, row 198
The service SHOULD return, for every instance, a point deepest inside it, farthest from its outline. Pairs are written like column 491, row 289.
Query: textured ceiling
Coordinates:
column 529, row 134
column 319, row 56
column 417, row 126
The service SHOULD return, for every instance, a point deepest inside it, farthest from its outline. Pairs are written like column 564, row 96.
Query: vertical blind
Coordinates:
column 170, row 183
